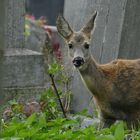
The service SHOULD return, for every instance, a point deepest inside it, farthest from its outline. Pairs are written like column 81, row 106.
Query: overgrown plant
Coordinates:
column 60, row 80
column 55, row 97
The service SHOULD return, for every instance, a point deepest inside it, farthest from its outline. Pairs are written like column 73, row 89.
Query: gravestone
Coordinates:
column 2, row 21
column 14, row 23
column 116, row 36
column 24, row 72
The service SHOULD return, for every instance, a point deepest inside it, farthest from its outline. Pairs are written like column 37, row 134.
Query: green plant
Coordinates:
column 49, row 104
column 37, row 127
column 52, row 65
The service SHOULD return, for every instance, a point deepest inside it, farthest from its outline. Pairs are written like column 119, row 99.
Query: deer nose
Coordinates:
column 78, row 61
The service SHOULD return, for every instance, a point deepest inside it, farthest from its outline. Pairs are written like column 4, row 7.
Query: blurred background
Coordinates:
column 44, row 8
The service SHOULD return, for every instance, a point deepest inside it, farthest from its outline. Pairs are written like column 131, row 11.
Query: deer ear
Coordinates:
column 90, row 25
column 63, row 27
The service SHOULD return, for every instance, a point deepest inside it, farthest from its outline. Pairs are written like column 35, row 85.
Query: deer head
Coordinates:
column 77, row 42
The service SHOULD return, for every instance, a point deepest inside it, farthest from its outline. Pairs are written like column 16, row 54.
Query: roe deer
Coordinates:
column 115, row 86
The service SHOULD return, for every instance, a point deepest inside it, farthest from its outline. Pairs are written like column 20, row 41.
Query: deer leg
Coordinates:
column 104, row 123
column 133, row 124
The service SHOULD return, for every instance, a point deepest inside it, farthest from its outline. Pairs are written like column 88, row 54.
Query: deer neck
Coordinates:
column 92, row 75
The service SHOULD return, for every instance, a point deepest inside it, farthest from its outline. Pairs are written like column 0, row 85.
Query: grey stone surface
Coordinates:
column 14, row 23
column 2, row 23
column 22, row 94
column 84, row 121
column 112, row 31
column 116, row 35
column 81, row 97
column 23, row 67
column 88, row 121
column 130, row 37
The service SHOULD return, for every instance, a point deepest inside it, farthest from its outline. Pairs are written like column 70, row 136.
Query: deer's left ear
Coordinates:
column 63, row 27
column 90, row 25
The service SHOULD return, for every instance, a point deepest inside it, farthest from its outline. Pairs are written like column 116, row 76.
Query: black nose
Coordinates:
column 78, row 61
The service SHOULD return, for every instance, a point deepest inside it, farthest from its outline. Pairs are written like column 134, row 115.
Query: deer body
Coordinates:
column 115, row 86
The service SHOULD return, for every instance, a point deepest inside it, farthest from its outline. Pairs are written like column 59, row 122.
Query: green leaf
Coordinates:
column 31, row 119
column 107, row 137
column 53, row 68
column 84, row 112
column 119, row 131
column 42, row 120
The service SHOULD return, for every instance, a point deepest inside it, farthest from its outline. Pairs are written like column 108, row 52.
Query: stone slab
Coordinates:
column 21, row 94
column 23, row 68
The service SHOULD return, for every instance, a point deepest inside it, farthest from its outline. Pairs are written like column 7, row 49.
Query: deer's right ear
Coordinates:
column 63, row 27
column 90, row 25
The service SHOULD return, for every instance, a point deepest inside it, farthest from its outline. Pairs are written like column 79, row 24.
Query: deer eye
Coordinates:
column 70, row 46
column 86, row 45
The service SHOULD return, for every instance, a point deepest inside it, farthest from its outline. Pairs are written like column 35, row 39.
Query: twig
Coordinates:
column 56, row 91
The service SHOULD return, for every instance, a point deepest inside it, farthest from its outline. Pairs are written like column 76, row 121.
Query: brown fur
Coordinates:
column 115, row 86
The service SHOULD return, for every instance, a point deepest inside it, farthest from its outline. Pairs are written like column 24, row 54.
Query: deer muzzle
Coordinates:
column 78, row 61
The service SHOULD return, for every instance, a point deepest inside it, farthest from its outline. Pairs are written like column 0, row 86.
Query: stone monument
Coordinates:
column 23, row 68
